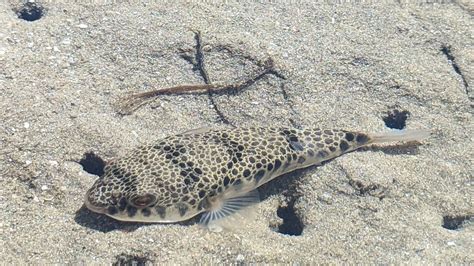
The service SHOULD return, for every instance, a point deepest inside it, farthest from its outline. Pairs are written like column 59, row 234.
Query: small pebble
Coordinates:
column 326, row 197
column 135, row 133
column 66, row 41
column 82, row 26
column 240, row 257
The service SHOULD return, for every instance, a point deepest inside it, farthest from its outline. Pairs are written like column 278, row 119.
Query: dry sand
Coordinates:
column 346, row 65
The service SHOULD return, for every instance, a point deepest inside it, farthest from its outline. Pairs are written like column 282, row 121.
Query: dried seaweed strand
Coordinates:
column 129, row 104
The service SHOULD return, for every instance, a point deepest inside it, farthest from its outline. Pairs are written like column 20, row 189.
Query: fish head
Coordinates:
column 147, row 196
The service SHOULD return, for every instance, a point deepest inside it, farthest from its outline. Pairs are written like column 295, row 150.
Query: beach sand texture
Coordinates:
column 355, row 66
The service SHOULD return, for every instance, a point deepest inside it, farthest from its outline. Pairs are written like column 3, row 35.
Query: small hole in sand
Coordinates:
column 292, row 224
column 92, row 164
column 396, row 119
column 124, row 259
column 452, row 222
column 30, row 11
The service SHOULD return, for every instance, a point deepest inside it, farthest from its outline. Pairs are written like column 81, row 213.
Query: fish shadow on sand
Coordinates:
column 105, row 224
column 286, row 185
column 407, row 148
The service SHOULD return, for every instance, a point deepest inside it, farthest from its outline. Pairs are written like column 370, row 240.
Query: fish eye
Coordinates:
column 143, row 201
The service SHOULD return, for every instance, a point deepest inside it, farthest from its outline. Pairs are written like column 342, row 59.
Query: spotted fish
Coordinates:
column 215, row 172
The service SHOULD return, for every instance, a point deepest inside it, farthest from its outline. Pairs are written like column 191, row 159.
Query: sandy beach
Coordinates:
column 65, row 69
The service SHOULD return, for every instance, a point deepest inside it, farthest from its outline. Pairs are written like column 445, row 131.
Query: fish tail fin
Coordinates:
column 400, row 135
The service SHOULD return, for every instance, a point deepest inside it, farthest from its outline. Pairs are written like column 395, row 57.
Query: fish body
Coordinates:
column 215, row 172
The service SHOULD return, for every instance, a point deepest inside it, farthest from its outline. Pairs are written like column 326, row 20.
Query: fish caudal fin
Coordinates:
column 229, row 212
column 400, row 135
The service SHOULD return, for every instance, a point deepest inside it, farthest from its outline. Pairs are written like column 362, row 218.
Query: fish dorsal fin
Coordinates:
column 227, row 211
column 197, row 131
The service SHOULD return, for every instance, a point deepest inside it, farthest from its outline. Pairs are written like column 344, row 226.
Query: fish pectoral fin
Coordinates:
column 230, row 211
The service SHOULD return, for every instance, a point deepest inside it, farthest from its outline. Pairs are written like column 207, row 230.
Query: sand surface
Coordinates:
column 346, row 65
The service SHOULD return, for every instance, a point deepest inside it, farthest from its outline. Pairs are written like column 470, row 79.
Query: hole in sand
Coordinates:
column 396, row 119
column 452, row 222
column 30, row 11
column 124, row 259
column 292, row 224
column 92, row 163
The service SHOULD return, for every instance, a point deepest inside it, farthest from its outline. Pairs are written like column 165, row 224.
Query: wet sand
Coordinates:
column 344, row 66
